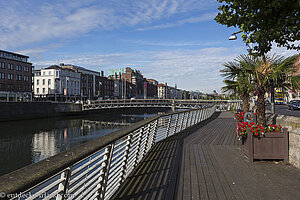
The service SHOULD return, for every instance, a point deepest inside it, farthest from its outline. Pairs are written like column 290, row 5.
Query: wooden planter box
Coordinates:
column 271, row 145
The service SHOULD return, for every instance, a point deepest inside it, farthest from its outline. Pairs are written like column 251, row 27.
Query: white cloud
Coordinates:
column 190, row 69
column 202, row 18
column 20, row 24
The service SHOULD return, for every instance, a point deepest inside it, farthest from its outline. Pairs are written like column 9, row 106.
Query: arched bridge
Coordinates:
column 161, row 103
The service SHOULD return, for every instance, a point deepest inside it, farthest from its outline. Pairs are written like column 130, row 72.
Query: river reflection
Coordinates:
column 25, row 142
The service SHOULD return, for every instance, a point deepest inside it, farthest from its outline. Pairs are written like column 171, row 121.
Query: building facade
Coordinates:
column 15, row 77
column 56, row 82
column 88, row 80
column 131, row 76
column 104, row 87
column 163, row 91
column 150, row 89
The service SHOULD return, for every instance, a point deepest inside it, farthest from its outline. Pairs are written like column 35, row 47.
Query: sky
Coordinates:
column 172, row 41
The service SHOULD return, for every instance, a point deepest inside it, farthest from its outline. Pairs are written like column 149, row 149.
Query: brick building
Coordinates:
column 131, row 76
column 104, row 87
column 15, row 77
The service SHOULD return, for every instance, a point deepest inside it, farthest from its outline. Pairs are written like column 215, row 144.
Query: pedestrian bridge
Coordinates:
column 192, row 154
column 161, row 103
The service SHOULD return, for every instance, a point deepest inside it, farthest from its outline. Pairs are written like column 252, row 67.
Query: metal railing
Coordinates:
column 167, row 103
column 96, row 169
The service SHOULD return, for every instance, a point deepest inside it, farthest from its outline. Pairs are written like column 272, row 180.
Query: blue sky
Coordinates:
column 173, row 41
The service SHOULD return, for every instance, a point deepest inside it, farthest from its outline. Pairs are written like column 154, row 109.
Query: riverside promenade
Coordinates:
column 206, row 162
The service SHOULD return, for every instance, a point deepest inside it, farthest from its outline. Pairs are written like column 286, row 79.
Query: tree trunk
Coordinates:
column 261, row 115
column 246, row 105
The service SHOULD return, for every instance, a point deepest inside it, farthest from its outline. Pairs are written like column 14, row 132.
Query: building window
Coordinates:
column 10, row 86
column 56, row 74
column 2, row 65
column 26, row 69
column 10, row 76
column 44, row 90
column 37, row 82
column 49, row 72
column 2, row 75
column 10, row 66
column 2, row 86
column 37, row 90
column 18, row 77
column 19, row 68
column 49, row 81
column 44, row 73
column 26, row 78
column 43, row 81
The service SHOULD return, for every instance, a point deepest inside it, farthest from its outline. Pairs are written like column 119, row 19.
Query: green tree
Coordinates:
column 269, row 72
column 237, row 81
column 268, row 20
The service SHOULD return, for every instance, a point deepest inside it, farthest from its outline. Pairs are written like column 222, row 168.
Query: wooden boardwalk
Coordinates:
column 206, row 163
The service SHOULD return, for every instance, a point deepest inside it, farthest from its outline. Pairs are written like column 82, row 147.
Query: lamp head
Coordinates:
column 233, row 37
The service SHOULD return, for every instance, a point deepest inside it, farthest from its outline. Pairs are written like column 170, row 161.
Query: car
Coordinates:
column 294, row 104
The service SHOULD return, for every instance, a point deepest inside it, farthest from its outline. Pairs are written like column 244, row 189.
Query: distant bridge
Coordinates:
column 161, row 103
column 102, row 123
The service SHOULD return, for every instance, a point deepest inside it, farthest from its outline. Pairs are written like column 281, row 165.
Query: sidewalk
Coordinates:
column 207, row 163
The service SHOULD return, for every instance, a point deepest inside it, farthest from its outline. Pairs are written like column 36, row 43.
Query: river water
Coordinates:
column 29, row 141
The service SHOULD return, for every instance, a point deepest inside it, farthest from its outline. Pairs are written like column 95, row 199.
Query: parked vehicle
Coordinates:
column 294, row 104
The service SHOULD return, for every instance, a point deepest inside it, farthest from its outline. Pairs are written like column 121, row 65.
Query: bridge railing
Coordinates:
column 169, row 103
column 96, row 169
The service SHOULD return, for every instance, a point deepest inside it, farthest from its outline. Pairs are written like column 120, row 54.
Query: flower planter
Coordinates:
column 271, row 145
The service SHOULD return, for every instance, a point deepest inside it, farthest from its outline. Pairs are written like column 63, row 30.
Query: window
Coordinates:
column 37, row 90
column 44, row 90
column 37, row 82
column 18, row 77
column 49, row 72
column 26, row 69
column 43, row 81
column 2, row 75
column 37, row 73
column 10, row 76
column 10, row 86
column 49, row 81
column 57, row 74
column 10, row 66
column 44, row 73
column 19, row 68
column 2, row 65
column 26, row 78
column 2, row 86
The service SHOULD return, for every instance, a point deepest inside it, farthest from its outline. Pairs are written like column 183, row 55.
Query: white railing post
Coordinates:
column 198, row 116
column 147, row 140
column 191, row 118
column 168, row 125
column 187, row 119
column 63, row 187
column 182, row 121
column 125, row 160
column 176, row 122
column 108, row 156
column 138, row 147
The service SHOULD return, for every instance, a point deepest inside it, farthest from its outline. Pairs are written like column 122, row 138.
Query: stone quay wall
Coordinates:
column 32, row 110
column 293, row 125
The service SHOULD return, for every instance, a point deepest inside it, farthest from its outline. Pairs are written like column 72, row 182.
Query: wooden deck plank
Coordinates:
column 200, row 162
column 207, row 163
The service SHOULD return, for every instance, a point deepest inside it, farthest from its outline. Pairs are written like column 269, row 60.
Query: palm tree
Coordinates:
column 237, row 81
column 269, row 72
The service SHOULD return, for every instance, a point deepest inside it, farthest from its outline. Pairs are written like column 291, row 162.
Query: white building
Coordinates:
column 163, row 91
column 55, row 80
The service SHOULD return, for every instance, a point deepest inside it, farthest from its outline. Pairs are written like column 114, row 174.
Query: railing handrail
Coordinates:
column 27, row 177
